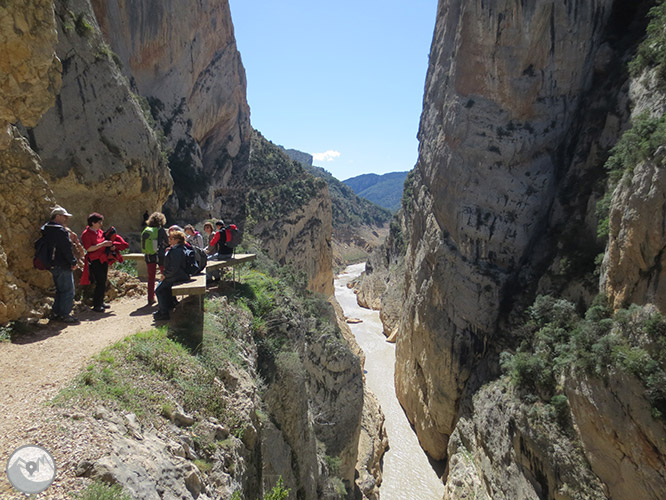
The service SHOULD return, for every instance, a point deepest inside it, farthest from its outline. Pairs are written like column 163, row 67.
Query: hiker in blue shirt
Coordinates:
column 174, row 272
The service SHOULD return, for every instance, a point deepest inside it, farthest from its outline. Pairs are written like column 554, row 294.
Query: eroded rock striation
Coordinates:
column 183, row 59
column 522, row 103
column 29, row 82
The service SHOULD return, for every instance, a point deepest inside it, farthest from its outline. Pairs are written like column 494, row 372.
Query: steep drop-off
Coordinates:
column 523, row 102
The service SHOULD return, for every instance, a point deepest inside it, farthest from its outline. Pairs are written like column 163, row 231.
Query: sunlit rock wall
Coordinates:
column 182, row 58
column 504, row 88
column 29, row 80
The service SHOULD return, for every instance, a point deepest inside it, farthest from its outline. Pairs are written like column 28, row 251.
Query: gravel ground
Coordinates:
column 35, row 367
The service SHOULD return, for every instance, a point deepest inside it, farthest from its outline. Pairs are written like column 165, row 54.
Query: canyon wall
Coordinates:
column 29, row 81
column 523, row 103
column 503, row 94
column 182, row 57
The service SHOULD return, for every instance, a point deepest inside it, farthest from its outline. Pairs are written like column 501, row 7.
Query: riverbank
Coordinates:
column 407, row 472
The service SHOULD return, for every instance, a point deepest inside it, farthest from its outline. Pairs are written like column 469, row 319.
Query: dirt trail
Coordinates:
column 36, row 366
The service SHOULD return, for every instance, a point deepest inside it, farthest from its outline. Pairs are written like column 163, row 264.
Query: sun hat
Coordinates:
column 58, row 210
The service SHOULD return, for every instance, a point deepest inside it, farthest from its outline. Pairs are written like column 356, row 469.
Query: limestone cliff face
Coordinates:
column 303, row 239
column 182, row 57
column 633, row 267
column 29, row 81
column 623, row 444
column 29, row 68
column 499, row 429
column 97, row 148
column 503, row 91
column 634, row 263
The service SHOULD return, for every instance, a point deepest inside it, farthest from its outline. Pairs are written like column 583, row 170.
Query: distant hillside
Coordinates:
column 348, row 208
column 383, row 190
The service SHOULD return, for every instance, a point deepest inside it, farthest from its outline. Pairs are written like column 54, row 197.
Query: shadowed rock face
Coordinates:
column 97, row 148
column 503, row 90
column 182, row 57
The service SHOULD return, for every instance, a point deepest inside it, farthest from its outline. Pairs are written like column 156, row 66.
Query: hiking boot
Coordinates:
column 161, row 316
column 69, row 319
column 106, row 306
column 98, row 309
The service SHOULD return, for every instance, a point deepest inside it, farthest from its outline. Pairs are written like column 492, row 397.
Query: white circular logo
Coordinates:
column 31, row 469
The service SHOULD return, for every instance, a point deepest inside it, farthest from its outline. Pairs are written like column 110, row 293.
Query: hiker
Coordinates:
column 218, row 250
column 154, row 242
column 208, row 233
column 194, row 237
column 62, row 265
column 95, row 243
column 175, row 272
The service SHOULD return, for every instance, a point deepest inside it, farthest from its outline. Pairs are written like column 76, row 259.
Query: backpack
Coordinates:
column 233, row 236
column 149, row 244
column 195, row 259
column 44, row 256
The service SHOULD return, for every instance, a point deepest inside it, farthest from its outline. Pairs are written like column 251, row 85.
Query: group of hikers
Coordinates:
column 171, row 250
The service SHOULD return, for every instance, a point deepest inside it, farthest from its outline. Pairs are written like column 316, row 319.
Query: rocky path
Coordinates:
column 37, row 365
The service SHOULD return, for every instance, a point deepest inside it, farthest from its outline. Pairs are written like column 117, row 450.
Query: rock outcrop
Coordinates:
column 503, row 98
column 498, row 429
column 182, row 58
column 98, row 150
column 635, row 264
column 29, row 81
column 623, row 444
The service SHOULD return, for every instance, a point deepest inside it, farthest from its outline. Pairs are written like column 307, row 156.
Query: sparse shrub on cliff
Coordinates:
column 638, row 144
column 408, row 191
column 652, row 51
column 82, row 25
column 555, row 340
column 102, row 491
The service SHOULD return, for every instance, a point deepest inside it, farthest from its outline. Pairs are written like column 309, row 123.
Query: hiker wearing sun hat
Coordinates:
column 62, row 262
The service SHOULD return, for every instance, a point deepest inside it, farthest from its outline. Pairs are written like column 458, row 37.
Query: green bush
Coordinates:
column 102, row 491
column 652, row 51
column 278, row 492
column 554, row 339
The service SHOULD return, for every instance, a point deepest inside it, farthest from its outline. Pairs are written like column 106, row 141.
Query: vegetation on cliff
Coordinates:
column 348, row 208
column 276, row 184
column 255, row 332
column 555, row 341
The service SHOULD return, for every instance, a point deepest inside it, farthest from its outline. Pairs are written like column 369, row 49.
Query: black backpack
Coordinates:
column 44, row 256
column 195, row 259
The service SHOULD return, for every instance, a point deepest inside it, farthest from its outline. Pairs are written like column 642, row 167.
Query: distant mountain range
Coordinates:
column 349, row 209
column 383, row 190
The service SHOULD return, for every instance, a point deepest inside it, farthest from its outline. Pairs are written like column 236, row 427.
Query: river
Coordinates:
column 407, row 473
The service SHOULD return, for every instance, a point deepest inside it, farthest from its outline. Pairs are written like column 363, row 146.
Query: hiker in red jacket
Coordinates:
column 95, row 243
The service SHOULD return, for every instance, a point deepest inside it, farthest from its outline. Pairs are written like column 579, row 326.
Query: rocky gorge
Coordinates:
column 529, row 198
column 102, row 111
column 521, row 279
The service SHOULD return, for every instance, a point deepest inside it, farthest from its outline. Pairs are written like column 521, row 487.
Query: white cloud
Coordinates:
column 329, row 155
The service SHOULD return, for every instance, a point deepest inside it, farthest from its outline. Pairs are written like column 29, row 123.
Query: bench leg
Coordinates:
column 187, row 320
column 142, row 270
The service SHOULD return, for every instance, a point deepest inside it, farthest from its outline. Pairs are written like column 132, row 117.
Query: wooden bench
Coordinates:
column 229, row 262
column 189, row 315
column 141, row 268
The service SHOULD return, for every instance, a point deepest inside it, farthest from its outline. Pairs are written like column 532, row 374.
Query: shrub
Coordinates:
column 102, row 491
column 555, row 339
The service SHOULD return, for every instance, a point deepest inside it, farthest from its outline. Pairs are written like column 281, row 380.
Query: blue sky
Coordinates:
column 340, row 80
